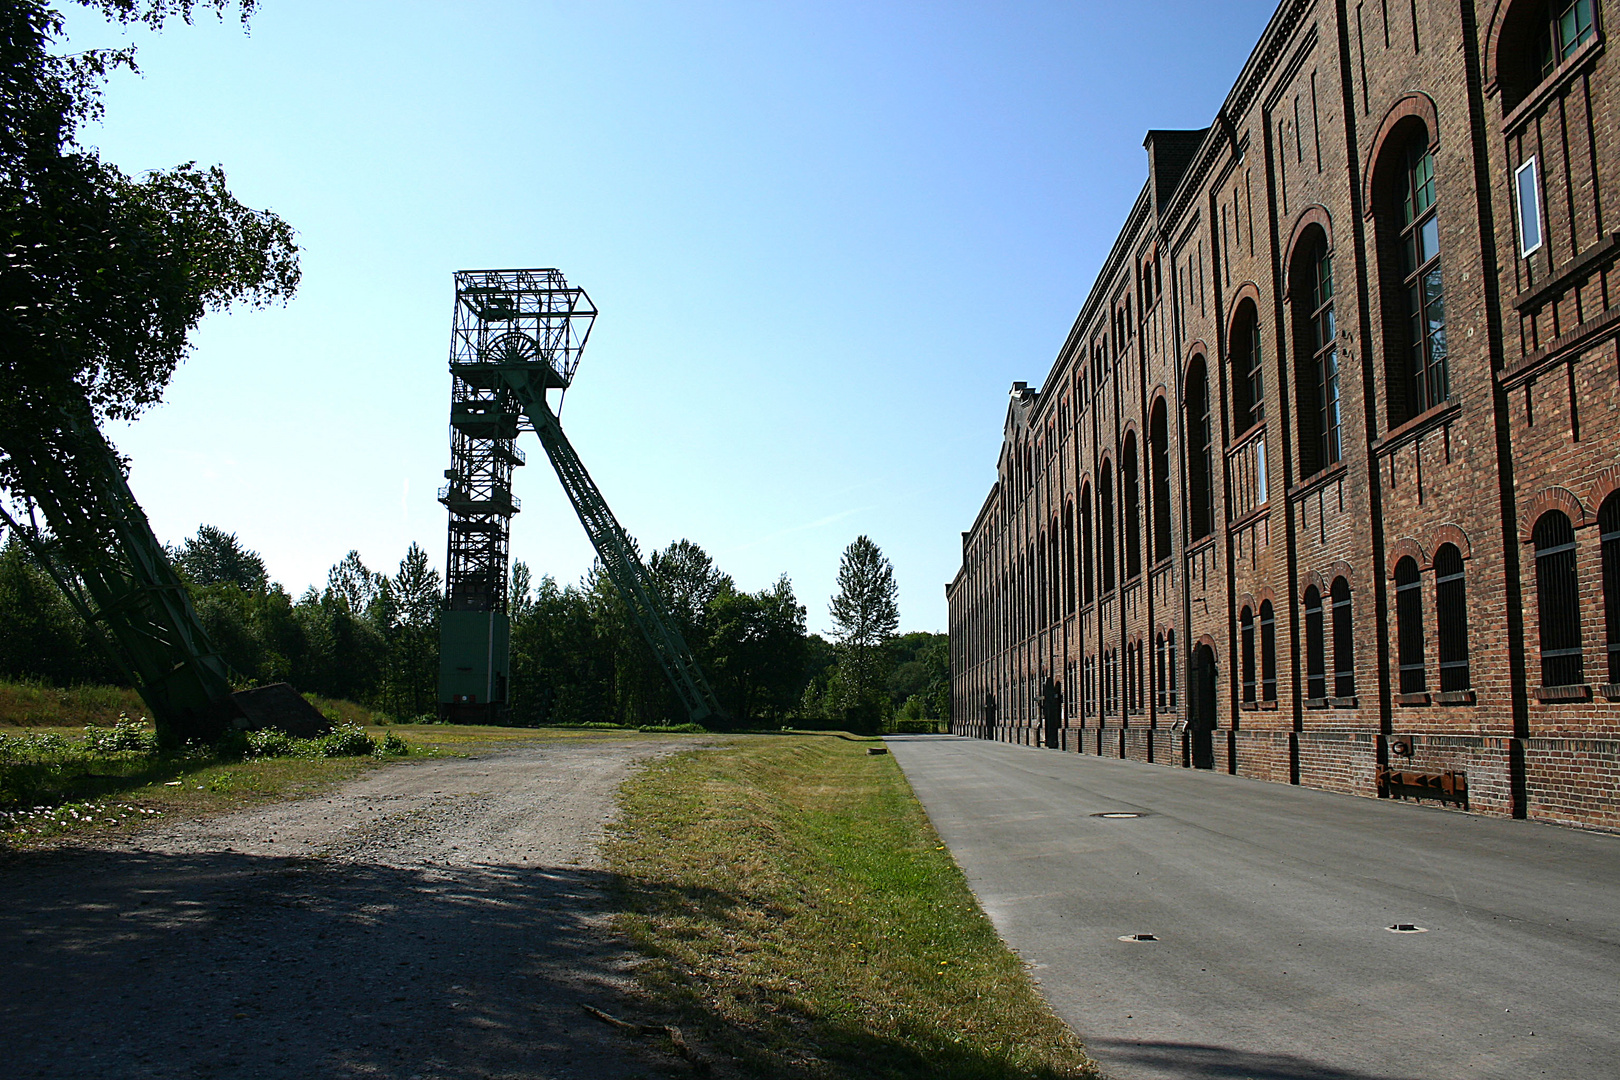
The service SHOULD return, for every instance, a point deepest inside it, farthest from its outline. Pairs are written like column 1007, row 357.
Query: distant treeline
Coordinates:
column 373, row 638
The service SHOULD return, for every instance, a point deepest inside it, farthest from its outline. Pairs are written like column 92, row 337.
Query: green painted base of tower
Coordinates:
column 474, row 652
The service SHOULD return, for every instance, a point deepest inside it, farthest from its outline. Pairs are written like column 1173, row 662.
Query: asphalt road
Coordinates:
column 1270, row 905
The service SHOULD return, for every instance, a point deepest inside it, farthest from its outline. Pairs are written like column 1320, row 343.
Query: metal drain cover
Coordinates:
column 1138, row 937
column 1111, row 814
column 1407, row 928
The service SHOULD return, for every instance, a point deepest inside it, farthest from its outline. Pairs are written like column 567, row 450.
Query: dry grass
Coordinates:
column 799, row 911
column 32, row 704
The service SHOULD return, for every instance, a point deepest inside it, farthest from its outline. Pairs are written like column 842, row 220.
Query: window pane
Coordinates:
column 1529, row 192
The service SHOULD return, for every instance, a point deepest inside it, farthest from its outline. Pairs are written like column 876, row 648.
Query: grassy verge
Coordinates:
column 798, row 909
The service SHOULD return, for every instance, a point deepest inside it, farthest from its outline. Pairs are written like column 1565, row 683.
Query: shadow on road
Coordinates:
column 145, row 965
column 1200, row 1061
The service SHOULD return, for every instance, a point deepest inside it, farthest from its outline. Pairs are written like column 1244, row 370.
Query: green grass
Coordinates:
column 799, row 912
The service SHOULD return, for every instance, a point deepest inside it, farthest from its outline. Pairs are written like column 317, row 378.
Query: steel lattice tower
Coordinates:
column 531, row 318
column 518, row 335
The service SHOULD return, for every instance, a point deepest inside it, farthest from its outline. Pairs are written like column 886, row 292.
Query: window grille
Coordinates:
column 1159, row 461
column 1420, row 276
column 1451, row 618
column 1105, row 494
column 1200, row 480
column 1609, row 526
column 1570, row 25
column 1268, row 652
column 1171, row 662
column 1132, row 492
column 1159, row 698
column 1246, row 633
column 1344, row 648
column 1409, row 626
column 1248, row 375
column 1315, row 646
column 1088, row 573
column 1558, row 600
column 1325, row 359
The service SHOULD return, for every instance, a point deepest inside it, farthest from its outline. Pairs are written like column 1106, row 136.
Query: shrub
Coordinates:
column 271, row 743
column 125, row 735
column 345, row 740
column 393, row 744
column 916, row 727
column 675, row 729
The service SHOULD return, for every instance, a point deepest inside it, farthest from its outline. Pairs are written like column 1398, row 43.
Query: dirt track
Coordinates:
column 440, row 919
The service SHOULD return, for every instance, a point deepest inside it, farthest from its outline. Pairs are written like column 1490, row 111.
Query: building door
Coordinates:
column 1201, row 721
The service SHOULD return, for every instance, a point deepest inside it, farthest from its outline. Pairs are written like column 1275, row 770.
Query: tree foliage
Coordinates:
column 865, row 613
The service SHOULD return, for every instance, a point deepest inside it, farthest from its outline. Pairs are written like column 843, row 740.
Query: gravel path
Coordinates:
column 440, row 919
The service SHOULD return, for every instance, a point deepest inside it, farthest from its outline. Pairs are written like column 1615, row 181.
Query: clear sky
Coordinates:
column 824, row 238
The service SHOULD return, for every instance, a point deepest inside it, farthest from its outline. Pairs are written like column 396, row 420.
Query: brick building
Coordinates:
column 1324, row 485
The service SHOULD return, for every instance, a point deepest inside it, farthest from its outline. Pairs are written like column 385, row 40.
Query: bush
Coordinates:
column 916, row 727
column 393, row 744
column 346, row 740
column 675, row 729
column 125, row 735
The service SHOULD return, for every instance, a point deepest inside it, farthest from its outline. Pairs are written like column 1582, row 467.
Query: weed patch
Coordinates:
column 797, row 907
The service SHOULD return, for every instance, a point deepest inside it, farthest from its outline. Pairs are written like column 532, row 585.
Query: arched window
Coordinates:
column 1130, row 677
column 1105, row 497
column 1140, row 704
column 1413, row 293
column 1609, row 526
column 1160, row 668
column 1451, row 618
column 1409, row 626
column 1170, row 663
column 1088, row 566
column 1246, row 636
column 1268, row 652
column 1316, row 366
column 1248, row 373
column 1041, row 614
column 1068, row 556
column 1315, row 646
column 1132, row 492
column 1159, row 462
column 1344, row 642
column 1200, row 472
column 1558, row 600
column 1054, row 557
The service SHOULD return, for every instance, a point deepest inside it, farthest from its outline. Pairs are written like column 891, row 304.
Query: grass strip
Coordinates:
column 798, row 910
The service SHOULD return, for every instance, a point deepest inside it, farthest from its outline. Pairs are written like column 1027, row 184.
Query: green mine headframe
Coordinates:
column 516, row 335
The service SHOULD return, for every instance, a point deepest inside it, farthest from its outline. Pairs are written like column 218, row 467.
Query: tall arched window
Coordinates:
column 1200, row 433
column 1159, row 462
column 1171, row 661
column 1105, row 497
column 1054, row 556
column 1316, row 366
column 1344, row 642
column 1413, row 293
column 1132, row 492
column 1315, row 646
column 1248, row 372
column 1088, row 565
column 1246, row 642
column 1451, row 618
column 1409, row 626
column 1160, row 668
column 1068, row 556
column 1558, row 600
column 1268, row 652
column 1041, row 612
column 1609, row 527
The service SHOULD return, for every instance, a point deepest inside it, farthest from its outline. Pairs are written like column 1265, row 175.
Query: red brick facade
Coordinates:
column 1327, row 475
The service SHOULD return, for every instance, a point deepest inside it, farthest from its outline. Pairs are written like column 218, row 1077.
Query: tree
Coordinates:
column 756, row 651
column 216, row 557
column 865, row 614
column 409, row 606
column 103, row 276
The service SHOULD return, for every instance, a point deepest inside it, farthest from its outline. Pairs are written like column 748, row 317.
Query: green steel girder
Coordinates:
column 100, row 550
column 618, row 554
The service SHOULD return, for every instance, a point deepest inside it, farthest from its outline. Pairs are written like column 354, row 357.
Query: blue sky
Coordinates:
column 823, row 239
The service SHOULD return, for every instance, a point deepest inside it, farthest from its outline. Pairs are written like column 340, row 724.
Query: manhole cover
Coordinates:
column 1407, row 928
column 1117, row 814
column 1138, row 937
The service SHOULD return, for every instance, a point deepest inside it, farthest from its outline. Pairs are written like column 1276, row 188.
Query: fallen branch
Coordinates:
column 699, row 1064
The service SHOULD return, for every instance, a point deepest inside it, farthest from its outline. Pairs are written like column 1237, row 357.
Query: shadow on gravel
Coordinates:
column 1200, row 1061
column 224, row 964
